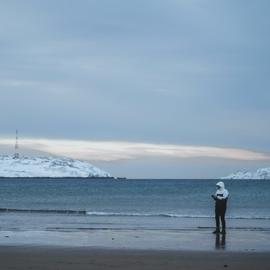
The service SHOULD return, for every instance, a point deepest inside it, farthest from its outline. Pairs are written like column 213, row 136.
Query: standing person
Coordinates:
column 221, row 198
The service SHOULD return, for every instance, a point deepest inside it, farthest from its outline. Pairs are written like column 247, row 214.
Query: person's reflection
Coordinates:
column 220, row 241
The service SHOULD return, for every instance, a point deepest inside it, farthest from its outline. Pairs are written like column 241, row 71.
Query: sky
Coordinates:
column 142, row 89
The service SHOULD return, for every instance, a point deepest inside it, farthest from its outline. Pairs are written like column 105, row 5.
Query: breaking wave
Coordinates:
column 52, row 211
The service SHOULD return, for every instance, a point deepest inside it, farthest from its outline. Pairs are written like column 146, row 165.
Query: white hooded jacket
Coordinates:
column 221, row 193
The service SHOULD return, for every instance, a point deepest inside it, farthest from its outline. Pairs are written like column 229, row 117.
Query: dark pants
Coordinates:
column 220, row 215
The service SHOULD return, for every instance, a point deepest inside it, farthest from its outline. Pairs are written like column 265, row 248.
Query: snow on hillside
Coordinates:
column 47, row 167
column 263, row 173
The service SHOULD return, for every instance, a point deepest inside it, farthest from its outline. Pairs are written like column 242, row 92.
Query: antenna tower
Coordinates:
column 16, row 154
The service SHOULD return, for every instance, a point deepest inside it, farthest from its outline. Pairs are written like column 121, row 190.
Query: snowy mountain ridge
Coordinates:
column 48, row 167
column 260, row 174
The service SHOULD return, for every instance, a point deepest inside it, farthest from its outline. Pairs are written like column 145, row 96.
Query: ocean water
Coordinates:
column 87, row 204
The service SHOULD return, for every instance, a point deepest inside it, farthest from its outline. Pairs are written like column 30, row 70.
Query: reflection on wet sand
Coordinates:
column 220, row 241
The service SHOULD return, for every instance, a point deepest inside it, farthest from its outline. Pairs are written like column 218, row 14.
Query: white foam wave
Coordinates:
column 119, row 214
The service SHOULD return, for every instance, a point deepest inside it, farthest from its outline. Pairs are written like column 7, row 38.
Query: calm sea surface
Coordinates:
column 77, row 204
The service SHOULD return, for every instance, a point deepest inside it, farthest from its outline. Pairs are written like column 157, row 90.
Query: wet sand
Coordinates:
column 174, row 240
column 134, row 249
column 45, row 258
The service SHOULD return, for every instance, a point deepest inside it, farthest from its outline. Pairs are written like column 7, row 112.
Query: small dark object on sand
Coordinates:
column 225, row 265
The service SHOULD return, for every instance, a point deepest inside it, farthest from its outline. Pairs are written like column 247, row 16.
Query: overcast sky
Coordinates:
column 143, row 88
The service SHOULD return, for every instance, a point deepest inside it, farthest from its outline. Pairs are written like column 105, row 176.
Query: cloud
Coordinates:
column 123, row 150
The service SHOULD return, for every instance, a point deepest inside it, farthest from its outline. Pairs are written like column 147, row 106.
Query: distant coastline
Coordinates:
column 68, row 177
column 48, row 167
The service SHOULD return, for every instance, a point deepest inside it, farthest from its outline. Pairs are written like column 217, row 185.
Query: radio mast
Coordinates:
column 16, row 154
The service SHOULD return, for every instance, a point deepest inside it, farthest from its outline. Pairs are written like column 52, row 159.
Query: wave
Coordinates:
column 144, row 215
column 122, row 214
column 169, row 215
column 56, row 211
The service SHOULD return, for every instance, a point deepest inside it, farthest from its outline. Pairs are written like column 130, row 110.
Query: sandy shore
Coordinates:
column 174, row 240
column 85, row 258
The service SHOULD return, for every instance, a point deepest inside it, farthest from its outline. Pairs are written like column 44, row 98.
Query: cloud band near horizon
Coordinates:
column 123, row 150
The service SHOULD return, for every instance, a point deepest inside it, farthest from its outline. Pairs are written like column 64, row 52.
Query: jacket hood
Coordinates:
column 220, row 185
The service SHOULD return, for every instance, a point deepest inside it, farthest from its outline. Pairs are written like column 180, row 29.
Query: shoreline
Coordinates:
column 140, row 239
column 44, row 257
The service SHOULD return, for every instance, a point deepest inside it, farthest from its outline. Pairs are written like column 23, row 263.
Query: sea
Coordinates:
column 149, row 204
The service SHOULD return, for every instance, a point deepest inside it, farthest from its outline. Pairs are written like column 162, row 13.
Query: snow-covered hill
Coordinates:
column 47, row 167
column 263, row 173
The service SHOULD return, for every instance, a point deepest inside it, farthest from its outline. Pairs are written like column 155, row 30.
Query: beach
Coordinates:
column 134, row 224
column 134, row 249
column 46, row 258
column 236, row 240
